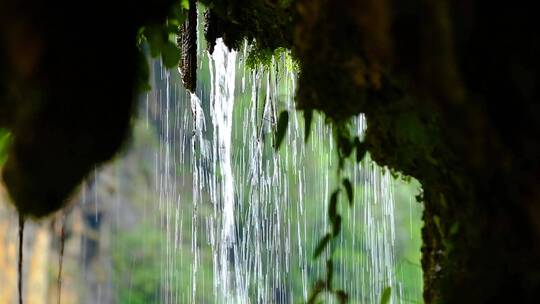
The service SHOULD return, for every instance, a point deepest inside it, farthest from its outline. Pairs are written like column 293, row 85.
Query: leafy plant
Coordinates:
column 283, row 122
column 160, row 39
column 385, row 297
column 5, row 138
column 346, row 145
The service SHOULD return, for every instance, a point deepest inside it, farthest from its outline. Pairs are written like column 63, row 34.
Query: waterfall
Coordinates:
column 256, row 214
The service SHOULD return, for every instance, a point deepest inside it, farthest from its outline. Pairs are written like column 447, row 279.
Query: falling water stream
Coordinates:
column 251, row 207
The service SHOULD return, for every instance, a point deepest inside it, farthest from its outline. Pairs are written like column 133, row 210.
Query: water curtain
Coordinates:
column 253, row 207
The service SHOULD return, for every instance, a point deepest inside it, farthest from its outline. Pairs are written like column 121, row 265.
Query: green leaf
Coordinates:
column 336, row 225
column 178, row 12
column 171, row 28
column 342, row 296
column 361, row 149
column 385, row 297
column 454, row 228
column 5, row 138
column 308, row 116
column 332, row 206
column 345, row 146
column 156, row 37
column 185, row 4
column 349, row 189
column 318, row 288
column 143, row 72
column 322, row 244
column 437, row 221
column 329, row 273
column 283, row 122
column 170, row 54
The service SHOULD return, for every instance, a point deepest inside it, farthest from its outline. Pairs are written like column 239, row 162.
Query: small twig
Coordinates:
column 21, row 236
column 61, row 257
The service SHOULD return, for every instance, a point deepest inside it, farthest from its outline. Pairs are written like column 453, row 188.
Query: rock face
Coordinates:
column 66, row 91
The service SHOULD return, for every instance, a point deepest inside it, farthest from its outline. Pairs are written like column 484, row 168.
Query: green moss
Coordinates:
column 266, row 25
